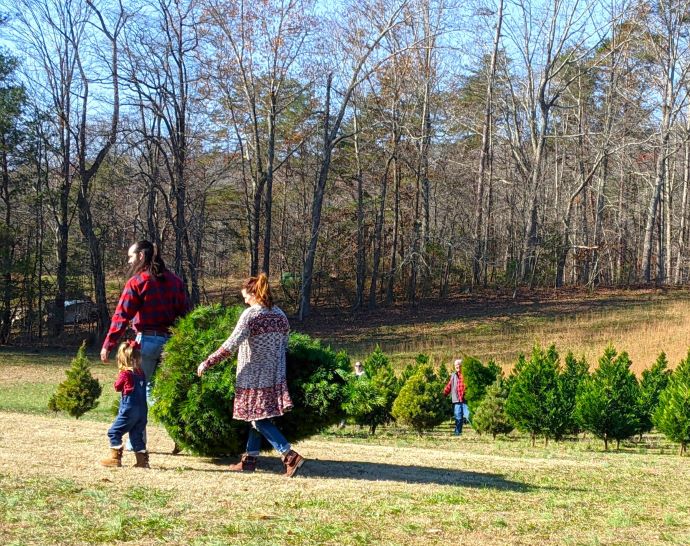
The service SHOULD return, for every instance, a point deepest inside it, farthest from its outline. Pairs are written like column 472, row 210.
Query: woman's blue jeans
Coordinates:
column 267, row 429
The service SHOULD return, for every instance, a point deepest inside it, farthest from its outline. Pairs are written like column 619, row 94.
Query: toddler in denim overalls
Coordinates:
column 132, row 416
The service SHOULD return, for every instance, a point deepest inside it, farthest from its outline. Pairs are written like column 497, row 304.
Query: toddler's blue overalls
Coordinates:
column 132, row 417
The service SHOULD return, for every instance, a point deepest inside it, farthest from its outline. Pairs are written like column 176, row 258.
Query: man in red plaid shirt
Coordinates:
column 152, row 300
column 456, row 389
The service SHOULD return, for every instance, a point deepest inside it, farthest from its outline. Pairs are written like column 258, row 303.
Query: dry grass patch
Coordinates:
column 643, row 324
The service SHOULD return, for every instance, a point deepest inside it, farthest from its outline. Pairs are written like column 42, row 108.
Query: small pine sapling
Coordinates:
column 534, row 403
column 80, row 391
column 363, row 402
column 490, row 416
column 672, row 416
column 421, row 404
column 374, row 394
column 653, row 382
column 477, row 378
column 573, row 374
column 607, row 402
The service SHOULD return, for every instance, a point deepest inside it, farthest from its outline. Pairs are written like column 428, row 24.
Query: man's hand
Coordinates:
column 201, row 369
column 104, row 355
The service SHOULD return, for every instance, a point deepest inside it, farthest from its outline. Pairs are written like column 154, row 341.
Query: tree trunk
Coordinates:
column 330, row 140
column 682, row 232
column 317, row 204
column 378, row 232
column 484, row 157
column 268, row 210
column 361, row 255
column 390, row 293
column 96, row 262
column 661, row 166
column 6, row 249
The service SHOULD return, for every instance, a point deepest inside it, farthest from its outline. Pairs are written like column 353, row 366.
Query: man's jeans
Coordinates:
column 458, row 414
column 151, row 349
column 268, row 430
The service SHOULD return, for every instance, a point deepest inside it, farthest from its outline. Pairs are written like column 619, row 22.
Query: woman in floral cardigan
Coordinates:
column 261, row 392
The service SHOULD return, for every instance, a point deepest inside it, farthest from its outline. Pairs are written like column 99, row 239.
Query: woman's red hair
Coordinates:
column 260, row 289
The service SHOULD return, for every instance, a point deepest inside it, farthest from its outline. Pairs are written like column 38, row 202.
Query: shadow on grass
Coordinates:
column 358, row 470
column 369, row 471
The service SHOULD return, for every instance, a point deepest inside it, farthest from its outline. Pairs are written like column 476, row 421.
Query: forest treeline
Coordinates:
column 360, row 152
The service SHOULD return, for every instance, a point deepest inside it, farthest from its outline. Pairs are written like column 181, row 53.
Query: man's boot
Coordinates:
column 142, row 459
column 115, row 458
column 292, row 461
column 247, row 464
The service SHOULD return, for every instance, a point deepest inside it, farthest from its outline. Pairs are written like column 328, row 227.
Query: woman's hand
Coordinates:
column 201, row 369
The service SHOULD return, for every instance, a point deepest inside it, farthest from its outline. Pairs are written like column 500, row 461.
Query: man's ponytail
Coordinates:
column 151, row 259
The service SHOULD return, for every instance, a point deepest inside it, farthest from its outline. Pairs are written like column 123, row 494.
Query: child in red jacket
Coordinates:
column 133, row 413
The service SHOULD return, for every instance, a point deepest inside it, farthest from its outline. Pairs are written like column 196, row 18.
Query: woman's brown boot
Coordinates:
column 115, row 458
column 247, row 464
column 142, row 459
column 292, row 461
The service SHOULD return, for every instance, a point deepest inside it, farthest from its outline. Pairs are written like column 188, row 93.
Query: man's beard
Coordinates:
column 135, row 267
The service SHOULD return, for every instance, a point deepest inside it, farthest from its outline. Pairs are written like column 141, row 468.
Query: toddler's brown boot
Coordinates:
column 115, row 458
column 142, row 459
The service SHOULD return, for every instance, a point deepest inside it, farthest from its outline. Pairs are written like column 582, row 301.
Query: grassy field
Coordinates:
column 394, row 488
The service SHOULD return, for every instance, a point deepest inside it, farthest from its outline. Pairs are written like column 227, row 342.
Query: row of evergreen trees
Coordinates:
column 541, row 396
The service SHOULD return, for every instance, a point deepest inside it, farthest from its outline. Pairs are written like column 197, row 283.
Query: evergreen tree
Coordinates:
column 653, row 382
column 573, row 373
column 672, row 416
column 490, row 416
column 422, row 358
column 370, row 397
column 512, row 376
column 443, row 372
column 387, row 386
column 375, row 361
column 363, row 401
column 197, row 412
column 534, row 402
column 477, row 378
column 607, row 401
column 421, row 403
column 80, row 391
column 410, row 369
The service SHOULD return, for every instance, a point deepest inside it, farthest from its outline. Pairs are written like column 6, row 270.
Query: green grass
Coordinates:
column 29, row 380
column 54, row 510
column 33, row 398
